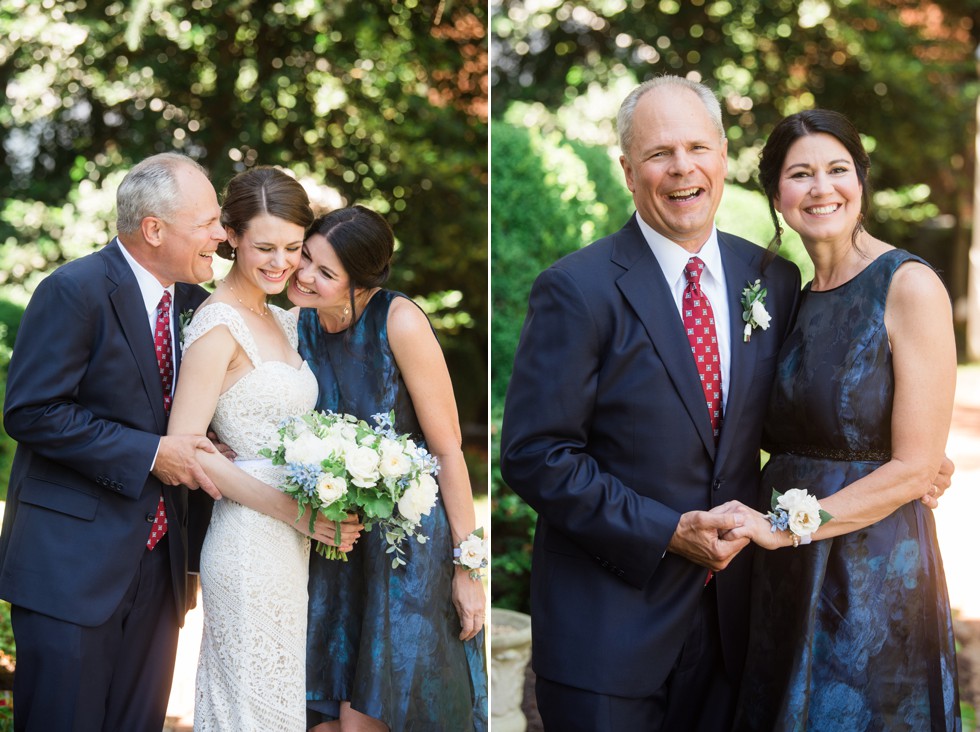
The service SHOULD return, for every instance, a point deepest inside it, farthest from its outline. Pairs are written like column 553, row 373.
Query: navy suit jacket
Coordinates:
column 606, row 435
column 85, row 404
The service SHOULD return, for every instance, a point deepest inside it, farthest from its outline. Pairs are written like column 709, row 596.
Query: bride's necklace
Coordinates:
column 261, row 313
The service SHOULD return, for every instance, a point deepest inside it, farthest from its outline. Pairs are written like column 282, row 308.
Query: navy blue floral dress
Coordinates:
column 855, row 632
column 385, row 639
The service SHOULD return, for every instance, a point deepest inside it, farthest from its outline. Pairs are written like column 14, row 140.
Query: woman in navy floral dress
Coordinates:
column 399, row 649
column 853, row 631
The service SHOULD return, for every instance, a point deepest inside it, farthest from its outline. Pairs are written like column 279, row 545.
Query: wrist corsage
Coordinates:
column 798, row 512
column 472, row 553
column 754, row 311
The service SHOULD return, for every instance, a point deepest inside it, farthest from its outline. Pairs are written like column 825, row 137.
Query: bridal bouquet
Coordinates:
column 337, row 465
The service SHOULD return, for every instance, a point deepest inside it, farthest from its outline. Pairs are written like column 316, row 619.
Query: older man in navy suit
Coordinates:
column 93, row 547
column 635, row 408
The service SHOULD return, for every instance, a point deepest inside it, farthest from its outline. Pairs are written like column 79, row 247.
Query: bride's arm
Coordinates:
column 423, row 367
column 211, row 364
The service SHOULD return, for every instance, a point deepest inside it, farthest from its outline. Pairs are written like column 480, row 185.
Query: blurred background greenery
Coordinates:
column 382, row 102
column 904, row 72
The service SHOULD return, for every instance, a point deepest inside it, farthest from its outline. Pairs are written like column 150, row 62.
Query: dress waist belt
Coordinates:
column 835, row 453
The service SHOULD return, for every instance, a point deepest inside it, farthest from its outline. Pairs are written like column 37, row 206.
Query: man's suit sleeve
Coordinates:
column 49, row 371
column 545, row 437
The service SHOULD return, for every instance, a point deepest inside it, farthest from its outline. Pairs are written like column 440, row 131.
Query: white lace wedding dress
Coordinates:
column 251, row 676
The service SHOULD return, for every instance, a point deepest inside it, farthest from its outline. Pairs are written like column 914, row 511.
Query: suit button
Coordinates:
column 150, row 516
column 102, row 480
column 717, row 484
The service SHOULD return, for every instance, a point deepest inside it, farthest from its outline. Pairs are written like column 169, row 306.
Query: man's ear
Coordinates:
column 152, row 229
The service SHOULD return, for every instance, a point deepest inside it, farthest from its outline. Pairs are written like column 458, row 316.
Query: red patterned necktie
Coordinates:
column 699, row 322
column 163, row 345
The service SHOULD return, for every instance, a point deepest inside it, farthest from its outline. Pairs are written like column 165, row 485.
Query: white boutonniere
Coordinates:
column 754, row 311
column 183, row 320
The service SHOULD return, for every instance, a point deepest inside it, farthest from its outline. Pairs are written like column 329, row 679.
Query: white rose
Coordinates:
column 307, row 448
column 760, row 315
column 473, row 552
column 362, row 464
column 430, row 490
column 394, row 462
column 410, row 505
column 803, row 510
column 344, row 431
column 331, row 488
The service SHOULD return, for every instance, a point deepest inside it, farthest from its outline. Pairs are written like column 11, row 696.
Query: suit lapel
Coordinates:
column 127, row 302
column 738, row 275
column 645, row 288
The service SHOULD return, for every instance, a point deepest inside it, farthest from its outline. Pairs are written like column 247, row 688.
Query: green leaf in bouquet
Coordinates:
column 375, row 506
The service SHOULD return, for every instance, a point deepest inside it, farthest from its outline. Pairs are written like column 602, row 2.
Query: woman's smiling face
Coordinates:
column 819, row 191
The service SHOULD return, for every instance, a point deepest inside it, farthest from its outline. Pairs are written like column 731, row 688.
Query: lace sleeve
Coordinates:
column 216, row 314
column 288, row 323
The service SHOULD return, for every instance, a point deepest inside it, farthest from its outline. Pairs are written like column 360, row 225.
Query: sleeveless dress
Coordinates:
column 251, row 676
column 385, row 639
column 854, row 632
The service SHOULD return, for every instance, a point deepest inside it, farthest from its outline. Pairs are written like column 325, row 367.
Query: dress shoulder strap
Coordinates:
column 288, row 322
column 218, row 314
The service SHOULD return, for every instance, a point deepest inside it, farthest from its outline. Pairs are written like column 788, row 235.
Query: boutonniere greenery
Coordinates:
column 754, row 311
column 183, row 320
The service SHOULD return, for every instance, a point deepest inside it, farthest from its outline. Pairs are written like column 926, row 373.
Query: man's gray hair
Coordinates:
column 624, row 120
column 150, row 189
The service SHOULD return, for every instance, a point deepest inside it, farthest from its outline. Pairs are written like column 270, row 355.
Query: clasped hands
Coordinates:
column 713, row 538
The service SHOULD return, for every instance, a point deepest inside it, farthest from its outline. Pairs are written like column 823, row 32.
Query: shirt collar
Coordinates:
column 150, row 286
column 673, row 258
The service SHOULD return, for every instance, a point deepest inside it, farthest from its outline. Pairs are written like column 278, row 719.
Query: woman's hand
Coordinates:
column 755, row 527
column 325, row 531
column 470, row 602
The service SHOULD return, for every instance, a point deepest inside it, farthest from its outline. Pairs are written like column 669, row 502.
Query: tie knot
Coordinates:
column 693, row 270
column 164, row 301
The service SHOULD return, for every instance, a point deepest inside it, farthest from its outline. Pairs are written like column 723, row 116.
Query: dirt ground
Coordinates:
column 956, row 521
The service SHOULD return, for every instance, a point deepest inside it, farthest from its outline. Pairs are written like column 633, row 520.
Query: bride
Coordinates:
column 241, row 373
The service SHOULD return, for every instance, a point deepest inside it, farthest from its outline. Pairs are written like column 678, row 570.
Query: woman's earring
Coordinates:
column 234, row 252
column 346, row 314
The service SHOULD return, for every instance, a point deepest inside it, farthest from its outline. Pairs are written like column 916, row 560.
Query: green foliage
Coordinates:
column 546, row 204
column 10, row 315
column 513, row 534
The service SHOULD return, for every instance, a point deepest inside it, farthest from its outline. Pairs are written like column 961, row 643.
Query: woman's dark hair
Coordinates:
column 364, row 244
column 791, row 129
column 262, row 190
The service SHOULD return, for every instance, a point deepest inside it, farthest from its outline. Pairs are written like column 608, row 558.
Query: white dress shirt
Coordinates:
column 672, row 259
column 152, row 291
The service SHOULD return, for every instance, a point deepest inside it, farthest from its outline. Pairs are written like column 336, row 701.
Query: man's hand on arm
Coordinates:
column 940, row 483
column 698, row 537
column 177, row 464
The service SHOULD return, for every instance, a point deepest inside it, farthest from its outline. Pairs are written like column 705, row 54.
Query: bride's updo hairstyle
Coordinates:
column 364, row 244
column 791, row 129
column 262, row 190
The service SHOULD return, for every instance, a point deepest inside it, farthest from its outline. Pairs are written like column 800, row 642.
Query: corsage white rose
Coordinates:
column 473, row 552
column 803, row 510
